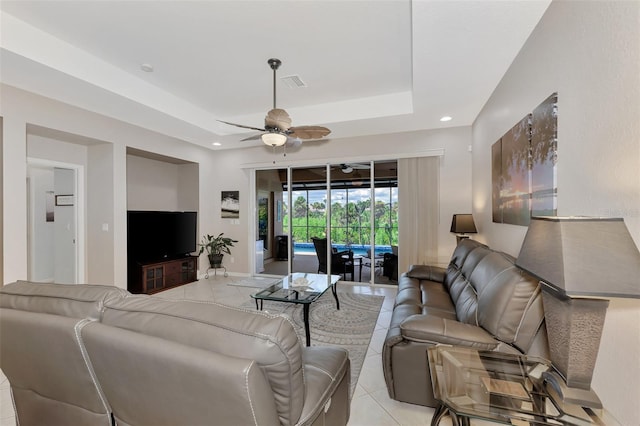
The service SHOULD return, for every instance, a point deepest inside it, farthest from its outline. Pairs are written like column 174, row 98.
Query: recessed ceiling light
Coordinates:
column 146, row 67
column 446, row 118
column 216, row 144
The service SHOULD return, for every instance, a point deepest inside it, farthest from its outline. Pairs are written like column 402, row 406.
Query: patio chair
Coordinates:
column 374, row 263
column 341, row 261
column 390, row 264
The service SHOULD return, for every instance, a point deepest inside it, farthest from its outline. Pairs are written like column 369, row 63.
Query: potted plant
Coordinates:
column 216, row 247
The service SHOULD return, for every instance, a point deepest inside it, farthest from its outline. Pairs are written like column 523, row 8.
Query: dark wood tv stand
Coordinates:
column 152, row 277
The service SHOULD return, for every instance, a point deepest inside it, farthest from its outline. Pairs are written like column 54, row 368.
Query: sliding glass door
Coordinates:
column 351, row 206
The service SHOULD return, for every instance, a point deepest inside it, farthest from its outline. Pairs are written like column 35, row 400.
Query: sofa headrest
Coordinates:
column 506, row 297
column 268, row 339
column 462, row 250
column 48, row 372
column 70, row 300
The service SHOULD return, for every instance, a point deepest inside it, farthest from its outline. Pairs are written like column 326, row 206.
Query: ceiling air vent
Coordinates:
column 293, row 81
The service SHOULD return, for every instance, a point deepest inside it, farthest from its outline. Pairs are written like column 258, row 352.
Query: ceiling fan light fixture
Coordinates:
column 274, row 139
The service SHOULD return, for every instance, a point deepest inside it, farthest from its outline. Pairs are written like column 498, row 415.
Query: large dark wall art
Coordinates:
column 523, row 167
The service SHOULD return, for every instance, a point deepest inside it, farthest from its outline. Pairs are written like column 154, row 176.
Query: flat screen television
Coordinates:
column 158, row 235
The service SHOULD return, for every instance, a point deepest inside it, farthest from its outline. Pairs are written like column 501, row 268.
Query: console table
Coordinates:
column 152, row 277
column 499, row 387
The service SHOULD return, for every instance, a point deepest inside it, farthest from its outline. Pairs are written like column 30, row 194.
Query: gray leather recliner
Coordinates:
column 482, row 300
column 141, row 360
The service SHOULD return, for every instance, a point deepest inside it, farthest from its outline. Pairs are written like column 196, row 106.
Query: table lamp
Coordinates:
column 463, row 224
column 581, row 262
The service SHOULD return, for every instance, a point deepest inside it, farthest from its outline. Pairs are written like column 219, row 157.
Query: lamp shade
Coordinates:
column 463, row 224
column 274, row 139
column 582, row 256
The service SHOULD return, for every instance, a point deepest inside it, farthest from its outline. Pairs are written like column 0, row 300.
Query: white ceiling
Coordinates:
column 370, row 67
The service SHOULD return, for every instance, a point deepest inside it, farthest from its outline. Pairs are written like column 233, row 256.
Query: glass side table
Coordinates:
column 499, row 387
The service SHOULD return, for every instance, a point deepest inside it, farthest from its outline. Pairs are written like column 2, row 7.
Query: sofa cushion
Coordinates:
column 435, row 330
column 69, row 300
column 269, row 339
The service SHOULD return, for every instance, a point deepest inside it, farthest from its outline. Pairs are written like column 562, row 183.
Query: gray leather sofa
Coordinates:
column 482, row 300
column 96, row 355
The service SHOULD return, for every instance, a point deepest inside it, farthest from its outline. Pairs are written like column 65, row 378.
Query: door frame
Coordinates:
column 78, row 208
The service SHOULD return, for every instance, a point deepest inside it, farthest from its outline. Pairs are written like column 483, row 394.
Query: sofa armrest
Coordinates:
column 427, row 272
column 433, row 329
column 328, row 375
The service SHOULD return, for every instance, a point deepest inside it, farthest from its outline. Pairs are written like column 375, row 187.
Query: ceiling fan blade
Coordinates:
column 278, row 118
column 252, row 138
column 360, row 166
column 309, row 132
column 243, row 126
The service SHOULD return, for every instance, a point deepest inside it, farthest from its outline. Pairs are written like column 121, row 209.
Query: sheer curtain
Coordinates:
column 418, row 211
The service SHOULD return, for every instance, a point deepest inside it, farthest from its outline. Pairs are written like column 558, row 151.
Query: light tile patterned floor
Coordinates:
column 370, row 405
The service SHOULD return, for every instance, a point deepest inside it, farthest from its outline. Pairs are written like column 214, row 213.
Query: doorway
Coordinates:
column 54, row 237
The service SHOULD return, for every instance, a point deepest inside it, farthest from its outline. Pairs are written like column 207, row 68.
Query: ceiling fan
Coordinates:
column 277, row 124
column 349, row 168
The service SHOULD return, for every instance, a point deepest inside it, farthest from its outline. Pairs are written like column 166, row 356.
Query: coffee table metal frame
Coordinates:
column 499, row 387
column 301, row 289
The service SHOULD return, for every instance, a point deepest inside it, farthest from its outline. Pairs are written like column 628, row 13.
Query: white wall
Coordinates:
column 589, row 52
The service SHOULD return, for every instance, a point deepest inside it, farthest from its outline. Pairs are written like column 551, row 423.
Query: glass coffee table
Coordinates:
column 499, row 387
column 299, row 288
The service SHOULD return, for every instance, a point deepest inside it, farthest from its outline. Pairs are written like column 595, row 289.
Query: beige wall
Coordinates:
column 588, row 52
column 1, row 203
column 106, row 177
column 455, row 172
column 151, row 184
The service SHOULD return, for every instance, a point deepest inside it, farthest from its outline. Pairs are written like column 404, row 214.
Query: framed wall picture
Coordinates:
column 230, row 205
column 523, row 167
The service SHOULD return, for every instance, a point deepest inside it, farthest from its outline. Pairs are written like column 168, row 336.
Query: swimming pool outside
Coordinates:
column 358, row 249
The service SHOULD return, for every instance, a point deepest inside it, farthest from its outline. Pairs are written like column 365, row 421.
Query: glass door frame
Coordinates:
column 289, row 229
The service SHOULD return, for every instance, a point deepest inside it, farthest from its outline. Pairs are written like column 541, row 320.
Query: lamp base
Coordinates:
column 581, row 397
column 460, row 237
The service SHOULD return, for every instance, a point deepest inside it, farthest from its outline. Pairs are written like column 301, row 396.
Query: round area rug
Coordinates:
column 351, row 325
